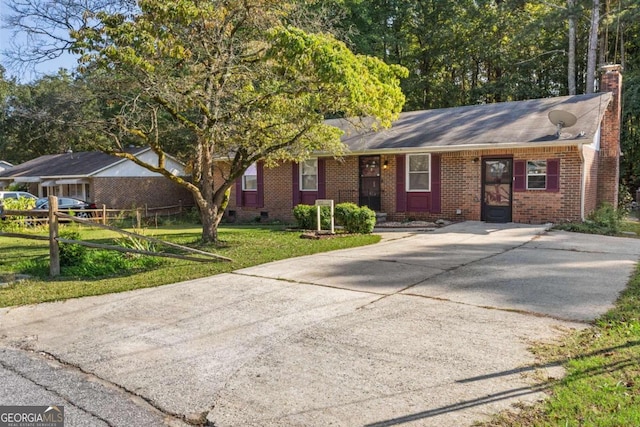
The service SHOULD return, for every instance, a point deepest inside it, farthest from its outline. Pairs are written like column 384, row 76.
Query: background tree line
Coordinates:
column 457, row 53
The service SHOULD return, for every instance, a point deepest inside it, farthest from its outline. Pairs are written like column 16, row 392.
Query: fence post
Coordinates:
column 138, row 218
column 104, row 214
column 54, row 248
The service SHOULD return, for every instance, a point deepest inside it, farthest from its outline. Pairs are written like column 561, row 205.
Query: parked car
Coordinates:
column 74, row 207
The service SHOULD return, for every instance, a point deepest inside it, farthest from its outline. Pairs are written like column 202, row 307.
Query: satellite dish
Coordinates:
column 562, row 119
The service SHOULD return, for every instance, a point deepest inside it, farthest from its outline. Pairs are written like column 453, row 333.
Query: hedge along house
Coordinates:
column 101, row 178
column 524, row 161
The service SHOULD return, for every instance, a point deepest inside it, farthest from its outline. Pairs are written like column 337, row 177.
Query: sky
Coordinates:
column 27, row 75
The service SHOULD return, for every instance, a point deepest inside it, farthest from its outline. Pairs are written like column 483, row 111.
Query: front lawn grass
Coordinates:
column 632, row 226
column 246, row 245
column 602, row 383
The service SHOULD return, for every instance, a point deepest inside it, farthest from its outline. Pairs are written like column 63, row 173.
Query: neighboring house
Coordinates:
column 4, row 166
column 497, row 162
column 101, row 178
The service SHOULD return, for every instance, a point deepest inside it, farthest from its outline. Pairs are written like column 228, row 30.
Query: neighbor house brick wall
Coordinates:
column 609, row 159
column 132, row 192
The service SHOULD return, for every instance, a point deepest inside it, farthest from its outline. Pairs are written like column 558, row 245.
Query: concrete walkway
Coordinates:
column 430, row 328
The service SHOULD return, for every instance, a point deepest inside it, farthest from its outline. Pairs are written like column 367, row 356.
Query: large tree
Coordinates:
column 46, row 116
column 236, row 79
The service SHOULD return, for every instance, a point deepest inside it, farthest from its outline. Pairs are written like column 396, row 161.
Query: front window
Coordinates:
column 309, row 175
column 536, row 174
column 74, row 190
column 250, row 179
column 419, row 172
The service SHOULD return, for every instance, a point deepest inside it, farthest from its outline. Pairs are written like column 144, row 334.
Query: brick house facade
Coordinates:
column 496, row 162
column 135, row 192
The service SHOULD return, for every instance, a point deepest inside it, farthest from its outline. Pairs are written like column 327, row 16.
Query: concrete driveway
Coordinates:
column 421, row 329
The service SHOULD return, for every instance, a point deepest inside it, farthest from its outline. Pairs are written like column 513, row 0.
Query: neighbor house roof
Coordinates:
column 505, row 123
column 69, row 164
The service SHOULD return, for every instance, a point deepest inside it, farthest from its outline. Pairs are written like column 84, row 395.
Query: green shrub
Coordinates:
column 15, row 222
column 361, row 220
column 70, row 253
column 353, row 218
column 605, row 220
column 307, row 217
column 625, row 198
column 343, row 211
column 103, row 263
column 607, row 217
column 132, row 242
column 19, row 204
column 302, row 214
column 96, row 264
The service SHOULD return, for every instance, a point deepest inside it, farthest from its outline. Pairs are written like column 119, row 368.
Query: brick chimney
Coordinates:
column 609, row 156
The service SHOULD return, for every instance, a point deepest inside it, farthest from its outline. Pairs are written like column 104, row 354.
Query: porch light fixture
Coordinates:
column 385, row 164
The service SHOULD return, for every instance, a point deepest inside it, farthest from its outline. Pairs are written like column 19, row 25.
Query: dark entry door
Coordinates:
column 370, row 182
column 496, row 189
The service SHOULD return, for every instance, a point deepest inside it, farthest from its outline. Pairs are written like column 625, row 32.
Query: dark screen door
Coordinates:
column 370, row 182
column 496, row 189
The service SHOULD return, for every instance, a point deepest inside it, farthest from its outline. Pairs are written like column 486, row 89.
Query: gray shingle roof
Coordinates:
column 68, row 164
column 519, row 122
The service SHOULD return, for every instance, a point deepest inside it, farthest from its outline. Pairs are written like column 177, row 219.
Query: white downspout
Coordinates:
column 583, row 181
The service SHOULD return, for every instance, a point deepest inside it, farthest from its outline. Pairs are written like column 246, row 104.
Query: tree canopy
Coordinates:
column 146, row 67
column 236, row 80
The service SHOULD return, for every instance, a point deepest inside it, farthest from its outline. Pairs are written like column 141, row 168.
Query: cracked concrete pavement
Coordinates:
column 421, row 329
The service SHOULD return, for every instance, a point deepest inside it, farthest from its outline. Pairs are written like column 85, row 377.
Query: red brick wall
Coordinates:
column 609, row 159
column 537, row 206
column 461, row 187
column 127, row 193
column 342, row 179
column 278, row 196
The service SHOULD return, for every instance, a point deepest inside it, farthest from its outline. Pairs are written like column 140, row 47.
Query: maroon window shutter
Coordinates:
column 295, row 168
column 322, row 187
column 553, row 175
column 435, row 183
column 519, row 175
column 239, row 192
column 260, row 179
column 401, row 193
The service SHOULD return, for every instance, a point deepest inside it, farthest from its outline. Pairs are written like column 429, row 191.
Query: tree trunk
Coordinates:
column 211, row 215
column 593, row 46
column 209, row 224
column 571, row 60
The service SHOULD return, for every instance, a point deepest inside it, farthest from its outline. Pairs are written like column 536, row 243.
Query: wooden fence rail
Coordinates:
column 53, row 215
column 103, row 215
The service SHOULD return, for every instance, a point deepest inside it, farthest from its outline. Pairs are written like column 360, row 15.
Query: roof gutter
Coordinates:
column 467, row 147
